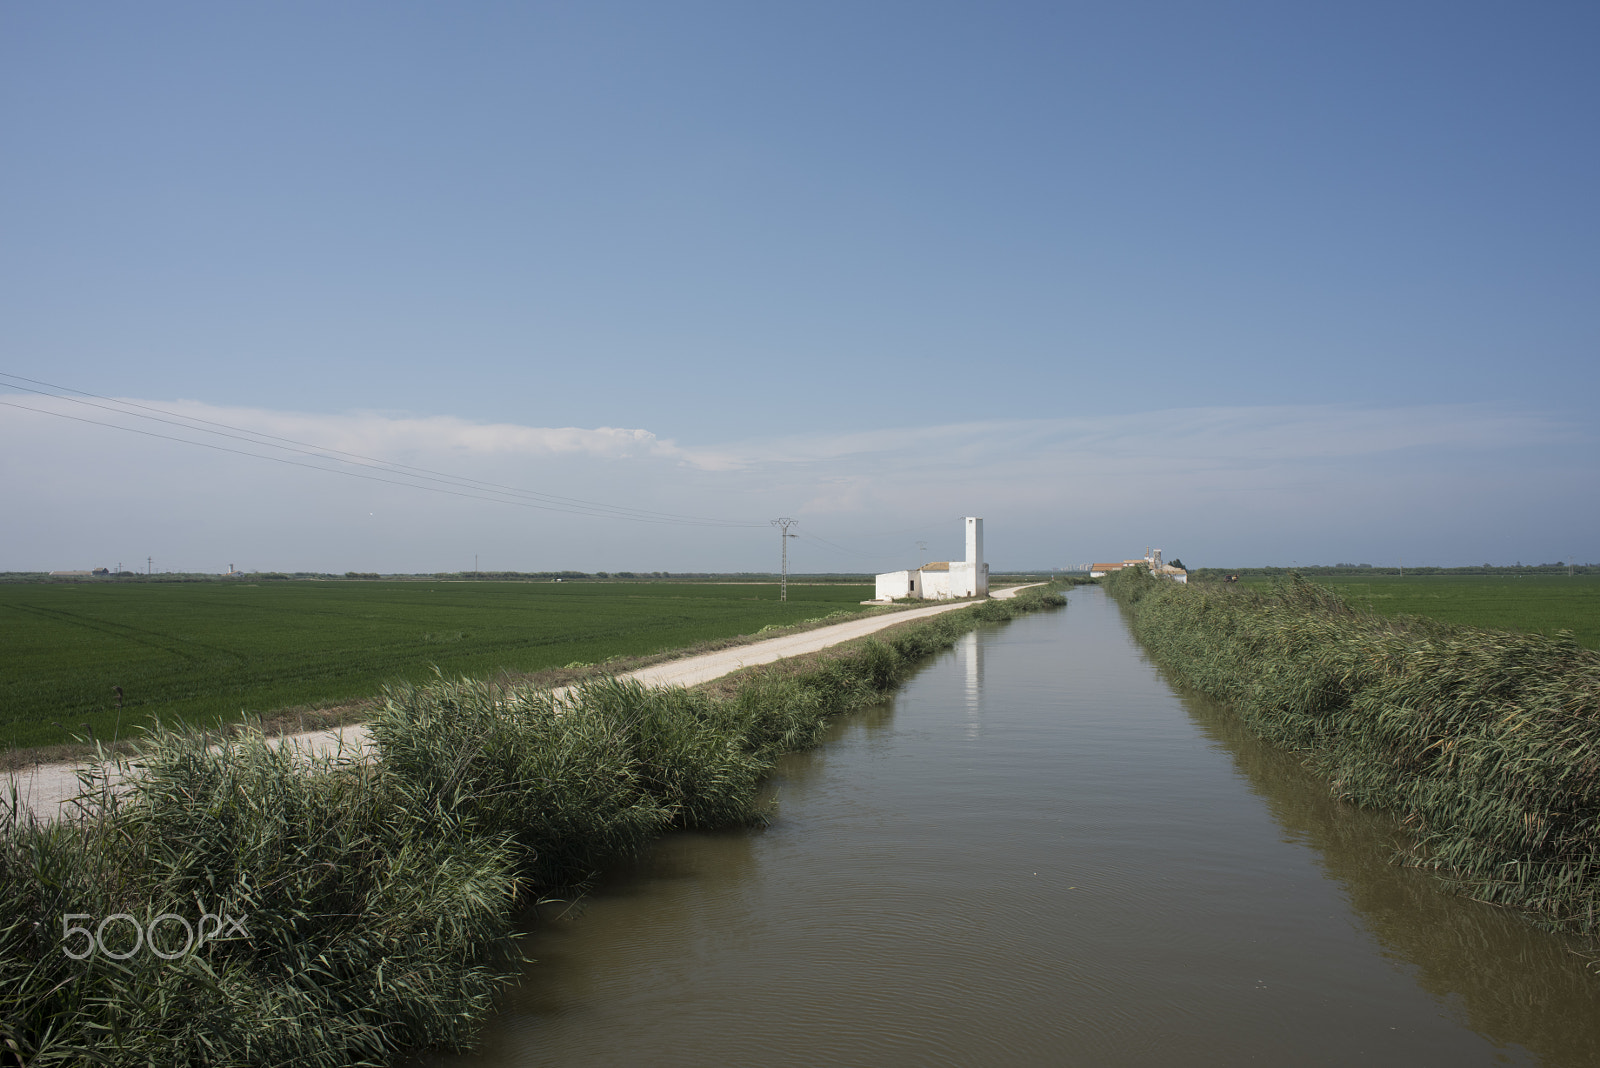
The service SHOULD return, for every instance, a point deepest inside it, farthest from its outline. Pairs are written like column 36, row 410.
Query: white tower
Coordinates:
column 979, row 571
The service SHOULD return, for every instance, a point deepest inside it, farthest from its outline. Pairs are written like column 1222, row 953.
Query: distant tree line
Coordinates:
column 489, row 576
column 1312, row 570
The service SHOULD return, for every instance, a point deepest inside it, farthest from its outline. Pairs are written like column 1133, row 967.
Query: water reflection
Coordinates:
column 971, row 653
column 1515, row 984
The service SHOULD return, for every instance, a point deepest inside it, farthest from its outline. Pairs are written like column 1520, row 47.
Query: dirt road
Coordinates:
column 44, row 790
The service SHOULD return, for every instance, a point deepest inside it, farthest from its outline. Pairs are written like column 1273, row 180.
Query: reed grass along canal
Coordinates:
column 1039, row 853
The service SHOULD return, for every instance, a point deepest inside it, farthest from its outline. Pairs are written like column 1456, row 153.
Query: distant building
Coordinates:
column 944, row 579
column 1151, row 560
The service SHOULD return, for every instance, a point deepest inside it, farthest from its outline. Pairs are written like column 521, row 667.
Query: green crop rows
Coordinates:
column 1534, row 604
column 194, row 652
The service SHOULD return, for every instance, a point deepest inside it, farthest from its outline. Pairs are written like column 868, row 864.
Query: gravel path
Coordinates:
column 46, row 789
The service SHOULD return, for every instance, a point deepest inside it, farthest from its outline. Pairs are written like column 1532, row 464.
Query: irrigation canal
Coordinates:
column 1039, row 853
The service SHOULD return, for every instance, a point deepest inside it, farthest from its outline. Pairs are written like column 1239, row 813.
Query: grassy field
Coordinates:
column 193, row 652
column 1534, row 604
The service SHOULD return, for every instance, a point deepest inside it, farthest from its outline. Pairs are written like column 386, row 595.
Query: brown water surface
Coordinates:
column 1039, row 853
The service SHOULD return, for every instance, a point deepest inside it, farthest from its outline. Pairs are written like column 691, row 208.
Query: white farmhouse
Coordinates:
column 944, row 580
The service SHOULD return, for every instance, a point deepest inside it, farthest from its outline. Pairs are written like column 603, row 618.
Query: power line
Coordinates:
column 296, row 463
column 496, row 492
column 840, row 548
column 882, row 555
column 336, row 455
column 922, row 527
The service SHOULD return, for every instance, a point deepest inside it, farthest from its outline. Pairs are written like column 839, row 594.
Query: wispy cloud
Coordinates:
column 1236, row 434
column 1257, row 476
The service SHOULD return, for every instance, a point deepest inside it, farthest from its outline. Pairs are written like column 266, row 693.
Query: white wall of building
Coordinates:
column 936, row 585
column 975, row 565
column 894, row 584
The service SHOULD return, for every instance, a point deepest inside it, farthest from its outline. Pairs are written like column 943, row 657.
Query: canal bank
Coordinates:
column 1484, row 743
column 1039, row 853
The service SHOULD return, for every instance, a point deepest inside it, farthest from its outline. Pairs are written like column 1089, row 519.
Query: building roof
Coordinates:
column 1106, row 567
column 942, row 565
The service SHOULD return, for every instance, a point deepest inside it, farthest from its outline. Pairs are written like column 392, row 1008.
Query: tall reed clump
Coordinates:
column 367, row 923
column 1486, row 744
column 575, row 779
column 376, row 898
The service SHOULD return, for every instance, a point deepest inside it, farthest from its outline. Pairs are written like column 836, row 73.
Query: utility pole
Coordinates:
column 784, row 524
column 149, row 565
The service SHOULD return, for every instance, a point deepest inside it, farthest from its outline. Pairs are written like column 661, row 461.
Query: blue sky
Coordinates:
column 1254, row 282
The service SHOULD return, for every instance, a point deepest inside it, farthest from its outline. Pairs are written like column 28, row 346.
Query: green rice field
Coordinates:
column 193, row 652
column 1542, row 604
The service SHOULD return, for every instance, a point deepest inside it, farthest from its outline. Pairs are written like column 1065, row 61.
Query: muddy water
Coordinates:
column 1039, row 853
